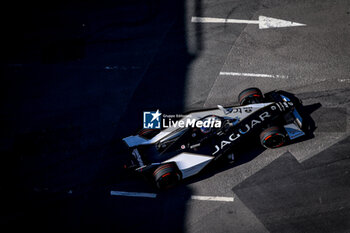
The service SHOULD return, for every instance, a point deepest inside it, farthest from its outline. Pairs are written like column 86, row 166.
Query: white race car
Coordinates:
column 170, row 155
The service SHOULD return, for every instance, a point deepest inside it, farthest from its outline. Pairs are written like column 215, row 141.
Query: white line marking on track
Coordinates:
column 346, row 80
column 212, row 198
column 154, row 195
column 133, row 194
column 254, row 75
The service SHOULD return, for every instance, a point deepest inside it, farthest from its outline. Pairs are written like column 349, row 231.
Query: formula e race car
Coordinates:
column 175, row 153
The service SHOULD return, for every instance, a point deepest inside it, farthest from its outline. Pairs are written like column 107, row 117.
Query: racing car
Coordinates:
column 167, row 156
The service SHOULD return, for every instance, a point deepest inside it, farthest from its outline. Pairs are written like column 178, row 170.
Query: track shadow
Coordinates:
column 78, row 76
column 165, row 213
column 306, row 194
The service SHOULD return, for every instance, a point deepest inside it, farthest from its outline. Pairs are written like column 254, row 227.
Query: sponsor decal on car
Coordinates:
column 243, row 130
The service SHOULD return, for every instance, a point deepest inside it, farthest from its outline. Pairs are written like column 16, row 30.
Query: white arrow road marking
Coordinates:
column 264, row 22
column 222, row 20
column 254, row 75
column 154, row 195
column 268, row 22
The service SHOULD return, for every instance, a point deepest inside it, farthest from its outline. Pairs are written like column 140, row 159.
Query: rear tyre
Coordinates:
column 166, row 176
column 272, row 137
column 250, row 96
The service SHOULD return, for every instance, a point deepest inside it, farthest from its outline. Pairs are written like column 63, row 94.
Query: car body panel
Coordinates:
column 189, row 163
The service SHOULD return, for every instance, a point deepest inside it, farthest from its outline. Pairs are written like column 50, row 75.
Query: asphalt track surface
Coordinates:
column 77, row 76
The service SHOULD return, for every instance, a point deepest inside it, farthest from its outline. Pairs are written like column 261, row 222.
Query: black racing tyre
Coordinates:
column 148, row 133
column 250, row 96
column 272, row 137
column 166, row 176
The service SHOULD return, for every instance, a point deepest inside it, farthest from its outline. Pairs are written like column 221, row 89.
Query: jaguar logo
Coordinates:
column 242, row 131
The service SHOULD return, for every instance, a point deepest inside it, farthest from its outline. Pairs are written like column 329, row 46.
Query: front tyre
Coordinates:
column 250, row 96
column 272, row 137
column 166, row 176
